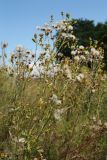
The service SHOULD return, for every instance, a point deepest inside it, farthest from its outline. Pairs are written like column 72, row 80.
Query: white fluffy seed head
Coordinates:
column 77, row 58
column 83, row 57
column 70, row 28
column 80, row 77
column 73, row 53
column 81, row 47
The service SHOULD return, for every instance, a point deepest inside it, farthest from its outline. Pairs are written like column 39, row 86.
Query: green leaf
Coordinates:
column 34, row 40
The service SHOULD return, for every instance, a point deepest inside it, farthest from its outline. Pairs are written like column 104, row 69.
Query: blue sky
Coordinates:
column 19, row 18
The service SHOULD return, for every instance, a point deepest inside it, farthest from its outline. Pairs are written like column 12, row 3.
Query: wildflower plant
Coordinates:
column 59, row 113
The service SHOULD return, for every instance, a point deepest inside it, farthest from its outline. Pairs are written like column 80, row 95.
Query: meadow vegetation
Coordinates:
column 58, row 111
